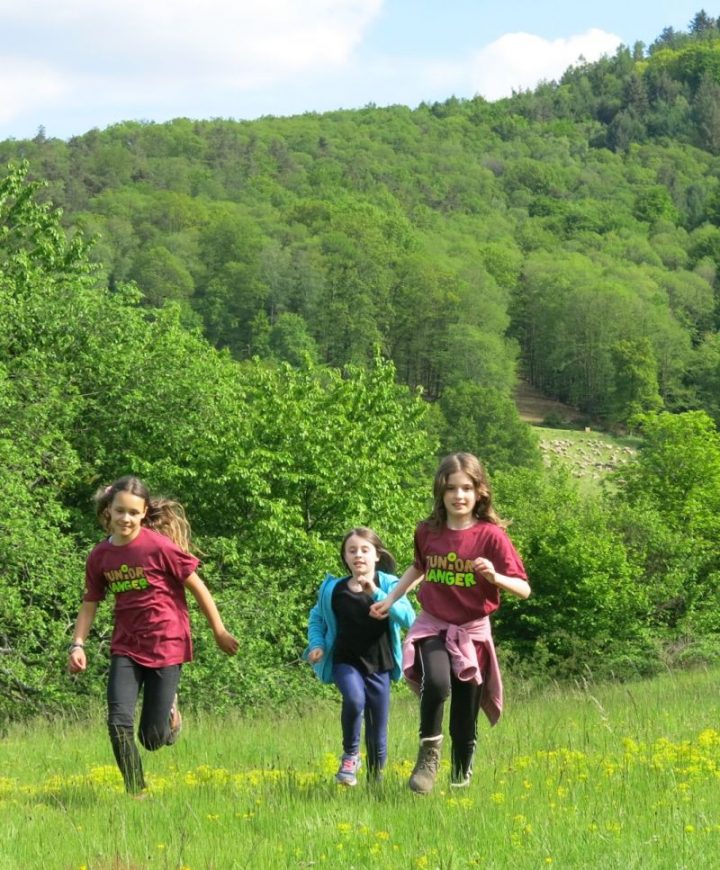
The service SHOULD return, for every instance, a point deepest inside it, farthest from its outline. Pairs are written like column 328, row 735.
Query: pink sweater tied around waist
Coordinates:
column 460, row 642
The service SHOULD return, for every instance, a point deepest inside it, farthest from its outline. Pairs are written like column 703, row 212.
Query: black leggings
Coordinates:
column 159, row 685
column 439, row 682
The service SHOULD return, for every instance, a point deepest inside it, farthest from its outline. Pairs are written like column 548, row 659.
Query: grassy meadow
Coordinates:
column 586, row 452
column 589, row 456
column 616, row 776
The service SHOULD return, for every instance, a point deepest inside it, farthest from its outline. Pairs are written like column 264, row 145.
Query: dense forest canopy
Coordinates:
column 283, row 323
column 568, row 232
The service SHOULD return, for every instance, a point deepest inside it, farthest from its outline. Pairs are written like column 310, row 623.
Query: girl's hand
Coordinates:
column 77, row 660
column 227, row 643
column 380, row 609
column 315, row 655
column 486, row 569
column 368, row 584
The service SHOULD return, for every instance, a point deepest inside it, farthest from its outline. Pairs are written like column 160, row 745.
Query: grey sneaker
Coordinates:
column 348, row 771
column 376, row 775
column 426, row 767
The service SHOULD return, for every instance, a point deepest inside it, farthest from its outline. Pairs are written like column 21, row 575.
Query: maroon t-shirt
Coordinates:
column 147, row 576
column 452, row 590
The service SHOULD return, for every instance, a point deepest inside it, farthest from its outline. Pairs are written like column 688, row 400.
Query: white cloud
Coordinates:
column 128, row 53
column 515, row 61
column 213, row 36
column 76, row 64
column 518, row 61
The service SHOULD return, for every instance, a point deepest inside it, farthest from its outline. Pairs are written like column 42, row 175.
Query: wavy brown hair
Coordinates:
column 386, row 560
column 471, row 466
column 163, row 514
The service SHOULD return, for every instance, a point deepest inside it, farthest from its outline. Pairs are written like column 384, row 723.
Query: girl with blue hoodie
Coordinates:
column 358, row 653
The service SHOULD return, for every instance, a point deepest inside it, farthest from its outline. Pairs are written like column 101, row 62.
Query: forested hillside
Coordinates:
column 571, row 229
column 241, row 311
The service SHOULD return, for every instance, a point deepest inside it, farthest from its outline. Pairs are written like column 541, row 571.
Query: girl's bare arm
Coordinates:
column 77, row 660
column 227, row 643
column 408, row 581
column 515, row 585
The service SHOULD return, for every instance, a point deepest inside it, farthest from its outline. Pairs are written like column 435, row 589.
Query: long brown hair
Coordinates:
column 163, row 514
column 470, row 465
column 386, row 560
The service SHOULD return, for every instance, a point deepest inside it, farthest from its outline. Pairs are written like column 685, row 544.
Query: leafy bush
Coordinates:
column 587, row 609
column 272, row 463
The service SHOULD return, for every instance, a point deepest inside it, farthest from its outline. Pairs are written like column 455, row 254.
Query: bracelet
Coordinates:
column 76, row 646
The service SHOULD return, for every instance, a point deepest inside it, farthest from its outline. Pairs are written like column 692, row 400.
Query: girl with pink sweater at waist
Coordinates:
column 463, row 558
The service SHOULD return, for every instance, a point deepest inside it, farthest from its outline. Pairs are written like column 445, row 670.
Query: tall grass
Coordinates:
column 620, row 776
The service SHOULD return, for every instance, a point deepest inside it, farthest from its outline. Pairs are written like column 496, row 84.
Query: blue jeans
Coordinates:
column 159, row 685
column 368, row 696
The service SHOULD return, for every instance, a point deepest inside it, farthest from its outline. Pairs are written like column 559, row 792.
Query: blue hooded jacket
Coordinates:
column 322, row 624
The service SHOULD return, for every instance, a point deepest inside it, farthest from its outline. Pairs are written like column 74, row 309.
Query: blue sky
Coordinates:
column 73, row 65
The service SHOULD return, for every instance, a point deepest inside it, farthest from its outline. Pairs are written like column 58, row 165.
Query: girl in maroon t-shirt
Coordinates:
column 463, row 557
column 146, row 563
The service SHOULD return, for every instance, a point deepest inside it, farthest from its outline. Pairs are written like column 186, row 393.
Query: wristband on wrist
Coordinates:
column 76, row 645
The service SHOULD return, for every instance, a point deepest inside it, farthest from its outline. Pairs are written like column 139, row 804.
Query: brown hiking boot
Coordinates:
column 426, row 767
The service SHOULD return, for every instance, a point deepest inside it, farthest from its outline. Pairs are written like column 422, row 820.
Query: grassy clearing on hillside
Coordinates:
column 588, row 455
column 622, row 776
